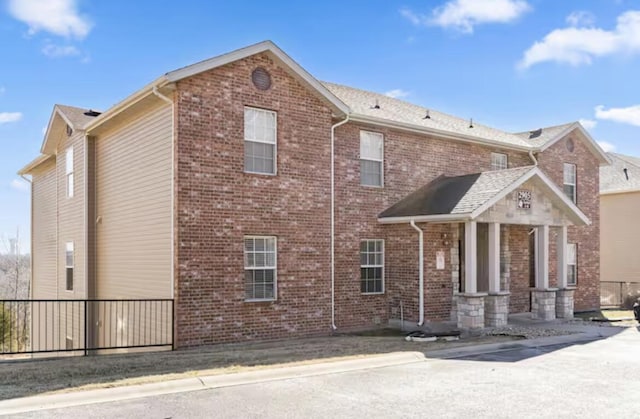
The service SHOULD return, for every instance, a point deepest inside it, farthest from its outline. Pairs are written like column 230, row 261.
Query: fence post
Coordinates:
column 86, row 329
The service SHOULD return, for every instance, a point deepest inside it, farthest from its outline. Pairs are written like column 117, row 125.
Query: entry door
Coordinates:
column 483, row 257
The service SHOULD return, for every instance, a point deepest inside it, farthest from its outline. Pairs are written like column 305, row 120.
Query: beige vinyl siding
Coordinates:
column 71, row 218
column 44, row 282
column 133, row 205
column 619, row 237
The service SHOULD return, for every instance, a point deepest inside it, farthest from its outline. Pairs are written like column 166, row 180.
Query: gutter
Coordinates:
column 421, row 269
column 437, row 132
column 333, row 222
column 155, row 91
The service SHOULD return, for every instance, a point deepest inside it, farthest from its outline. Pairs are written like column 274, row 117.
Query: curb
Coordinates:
column 79, row 398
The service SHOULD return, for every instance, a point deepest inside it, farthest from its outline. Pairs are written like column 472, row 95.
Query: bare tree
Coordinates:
column 15, row 284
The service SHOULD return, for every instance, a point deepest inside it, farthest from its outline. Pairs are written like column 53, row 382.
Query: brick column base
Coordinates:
column 496, row 309
column 471, row 311
column 564, row 303
column 543, row 304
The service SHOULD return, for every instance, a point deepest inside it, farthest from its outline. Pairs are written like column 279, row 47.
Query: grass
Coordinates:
column 63, row 374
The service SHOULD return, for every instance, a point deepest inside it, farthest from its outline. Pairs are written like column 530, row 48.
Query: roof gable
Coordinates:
column 561, row 131
column 614, row 179
column 469, row 197
column 302, row 75
column 61, row 117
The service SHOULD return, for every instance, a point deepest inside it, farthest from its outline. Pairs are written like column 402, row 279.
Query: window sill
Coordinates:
column 372, row 186
column 260, row 300
column 259, row 173
column 372, row 293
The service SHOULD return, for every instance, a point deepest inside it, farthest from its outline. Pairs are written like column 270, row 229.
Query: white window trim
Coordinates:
column 69, row 171
column 506, row 160
column 381, row 160
column 253, row 268
column 574, row 198
column 275, row 143
column 373, row 266
column 67, row 266
column 575, row 264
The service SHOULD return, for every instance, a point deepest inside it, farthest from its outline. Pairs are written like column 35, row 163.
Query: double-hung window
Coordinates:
column 499, row 161
column 371, row 158
column 570, row 181
column 69, row 171
column 260, row 140
column 68, row 264
column 260, row 264
column 572, row 264
column 372, row 266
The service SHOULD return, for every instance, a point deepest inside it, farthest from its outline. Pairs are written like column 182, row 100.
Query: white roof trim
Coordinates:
column 598, row 151
column 528, row 175
column 619, row 192
column 265, row 46
column 440, row 133
column 438, row 218
column 56, row 111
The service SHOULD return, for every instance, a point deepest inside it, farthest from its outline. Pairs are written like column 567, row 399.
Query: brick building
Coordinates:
column 268, row 204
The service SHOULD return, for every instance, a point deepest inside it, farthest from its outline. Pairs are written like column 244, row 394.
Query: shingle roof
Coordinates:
column 541, row 136
column 455, row 195
column 363, row 103
column 75, row 115
column 613, row 179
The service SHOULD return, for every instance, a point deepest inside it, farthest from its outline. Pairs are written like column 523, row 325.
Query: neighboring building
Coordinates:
column 619, row 228
column 214, row 185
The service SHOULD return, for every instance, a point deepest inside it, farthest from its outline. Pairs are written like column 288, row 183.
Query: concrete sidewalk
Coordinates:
column 585, row 334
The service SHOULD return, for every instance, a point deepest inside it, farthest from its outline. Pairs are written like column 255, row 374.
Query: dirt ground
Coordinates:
column 22, row 378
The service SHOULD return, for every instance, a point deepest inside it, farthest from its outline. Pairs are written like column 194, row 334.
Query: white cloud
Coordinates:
column 629, row 115
column 463, row 15
column 397, row 93
column 580, row 45
column 588, row 123
column 606, row 147
column 56, row 51
column 6, row 117
column 19, row 185
column 581, row 18
column 59, row 17
column 412, row 17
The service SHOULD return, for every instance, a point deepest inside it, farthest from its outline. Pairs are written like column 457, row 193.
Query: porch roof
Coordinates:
column 467, row 197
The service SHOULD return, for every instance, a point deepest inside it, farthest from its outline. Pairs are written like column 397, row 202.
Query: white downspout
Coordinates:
column 535, row 161
column 421, row 269
column 30, row 234
column 333, row 222
column 173, row 168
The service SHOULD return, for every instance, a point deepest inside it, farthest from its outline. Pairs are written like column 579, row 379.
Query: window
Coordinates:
column 260, row 261
column 260, row 141
column 68, row 263
column 371, row 157
column 499, row 161
column 69, row 171
column 372, row 266
column 570, row 181
column 572, row 264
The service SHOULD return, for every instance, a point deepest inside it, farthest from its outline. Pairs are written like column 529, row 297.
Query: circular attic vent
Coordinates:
column 261, row 78
column 570, row 145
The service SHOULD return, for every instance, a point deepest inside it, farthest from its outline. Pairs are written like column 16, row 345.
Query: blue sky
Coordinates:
column 513, row 64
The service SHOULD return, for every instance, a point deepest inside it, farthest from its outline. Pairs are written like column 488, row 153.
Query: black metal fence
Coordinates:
column 618, row 294
column 80, row 326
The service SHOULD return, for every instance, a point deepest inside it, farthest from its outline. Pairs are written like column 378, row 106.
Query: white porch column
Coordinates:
column 470, row 257
column 494, row 258
column 562, row 257
column 542, row 271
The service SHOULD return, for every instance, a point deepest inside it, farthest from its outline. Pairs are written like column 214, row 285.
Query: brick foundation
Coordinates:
column 471, row 311
column 543, row 304
column 496, row 310
column 564, row 303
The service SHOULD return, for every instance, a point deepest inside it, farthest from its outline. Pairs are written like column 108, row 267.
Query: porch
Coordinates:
column 478, row 207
